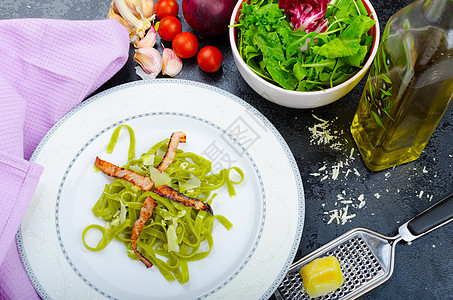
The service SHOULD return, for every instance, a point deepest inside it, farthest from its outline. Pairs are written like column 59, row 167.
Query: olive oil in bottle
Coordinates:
column 410, row 85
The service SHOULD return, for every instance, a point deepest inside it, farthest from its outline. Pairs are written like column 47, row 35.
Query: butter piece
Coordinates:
column 321, row 276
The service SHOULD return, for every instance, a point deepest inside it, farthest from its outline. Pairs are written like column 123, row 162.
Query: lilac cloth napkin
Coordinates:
column 47, row 67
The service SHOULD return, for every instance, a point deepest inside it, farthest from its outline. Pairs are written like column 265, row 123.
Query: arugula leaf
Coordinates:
column 299, row 72
column 357, row 59
column 269, row 47
column 358, row 27
column 286, row 79
column 348, row 44
column 305, row 86
column 344, row 9
column 339, row 48
column 274, row 58
column 361, row 7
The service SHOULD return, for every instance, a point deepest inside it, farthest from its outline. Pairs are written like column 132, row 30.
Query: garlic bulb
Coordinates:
column 135, row 15
column 171, row 63
column 150, row 60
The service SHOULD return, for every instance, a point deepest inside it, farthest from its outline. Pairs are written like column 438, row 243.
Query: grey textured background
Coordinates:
column 424, row 269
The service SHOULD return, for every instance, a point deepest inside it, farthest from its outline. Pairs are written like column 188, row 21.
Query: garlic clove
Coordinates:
column 171, row 63
column 133, row 7
column 149, row 40
column 150, row 60
column 142, row 74
column 146, row 8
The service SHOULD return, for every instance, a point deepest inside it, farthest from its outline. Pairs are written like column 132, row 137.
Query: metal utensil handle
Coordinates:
column 437, row 215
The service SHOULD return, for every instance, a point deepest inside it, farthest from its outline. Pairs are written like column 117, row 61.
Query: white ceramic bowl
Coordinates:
column 297, row 99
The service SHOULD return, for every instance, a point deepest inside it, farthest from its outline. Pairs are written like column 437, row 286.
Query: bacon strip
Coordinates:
column 112, row 170
column 168, row 192
column 145, row 213
column 176, row 138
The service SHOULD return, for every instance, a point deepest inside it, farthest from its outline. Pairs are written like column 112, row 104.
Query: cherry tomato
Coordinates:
column 209, row 59
column 165, row 8
column 169, row 27
column 185, row 44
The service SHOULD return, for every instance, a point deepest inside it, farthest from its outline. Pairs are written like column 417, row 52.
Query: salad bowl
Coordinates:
column 301, row 99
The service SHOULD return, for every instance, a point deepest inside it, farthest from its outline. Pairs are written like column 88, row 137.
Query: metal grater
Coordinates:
column 366, row 257
column 359, row 262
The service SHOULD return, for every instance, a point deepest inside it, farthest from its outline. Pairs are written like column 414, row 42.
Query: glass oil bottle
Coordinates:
column 410, row 85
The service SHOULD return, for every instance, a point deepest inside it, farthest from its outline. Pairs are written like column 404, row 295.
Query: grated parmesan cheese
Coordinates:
column 337, row 169
column 322, row 134
column 361, row 200
column 345, row 208
column 340, row 216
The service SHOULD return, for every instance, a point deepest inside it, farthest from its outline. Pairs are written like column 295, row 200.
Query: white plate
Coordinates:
column 248, row 261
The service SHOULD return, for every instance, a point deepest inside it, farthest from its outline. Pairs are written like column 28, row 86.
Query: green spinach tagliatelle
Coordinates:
column 175, row 234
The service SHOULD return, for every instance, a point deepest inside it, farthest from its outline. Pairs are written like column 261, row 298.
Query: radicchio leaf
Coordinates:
column 306, row 15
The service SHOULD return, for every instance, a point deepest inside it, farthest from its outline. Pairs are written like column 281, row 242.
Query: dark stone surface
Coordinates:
column 424, row 269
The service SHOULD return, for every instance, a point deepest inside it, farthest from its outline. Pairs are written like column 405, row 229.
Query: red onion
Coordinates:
column 208, row 17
